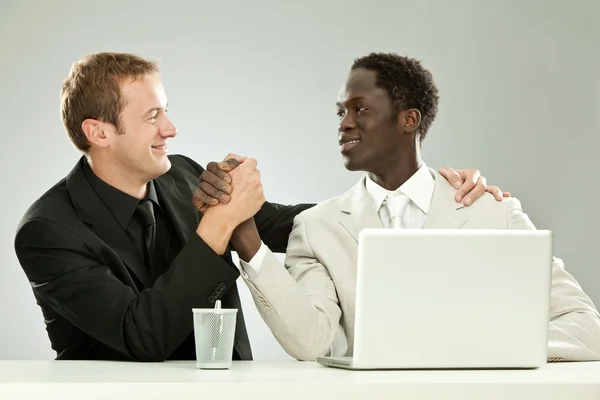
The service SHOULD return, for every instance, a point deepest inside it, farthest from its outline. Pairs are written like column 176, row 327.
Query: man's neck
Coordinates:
column 118, row 178
column 393, row 175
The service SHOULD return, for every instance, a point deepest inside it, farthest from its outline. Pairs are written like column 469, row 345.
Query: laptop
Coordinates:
column 451, row 299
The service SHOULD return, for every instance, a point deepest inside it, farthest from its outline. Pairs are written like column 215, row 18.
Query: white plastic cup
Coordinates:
column 214, row 333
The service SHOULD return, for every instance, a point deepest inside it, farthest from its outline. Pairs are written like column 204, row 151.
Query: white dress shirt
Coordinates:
column 252, row 268
column 419, row 189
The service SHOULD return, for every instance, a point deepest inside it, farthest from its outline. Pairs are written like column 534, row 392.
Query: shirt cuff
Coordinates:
column 252, row 267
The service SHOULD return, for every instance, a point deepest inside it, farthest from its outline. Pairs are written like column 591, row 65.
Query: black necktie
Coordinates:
column 146, row 212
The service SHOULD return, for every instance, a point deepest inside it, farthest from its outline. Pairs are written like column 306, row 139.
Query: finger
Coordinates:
column 229, row 164
column 475, row 193
column 495, row 191
column 198, row 199
column 471, row 178
column 451, row 176
column 199, row 204
column 219, row 169
column 213, row 195
column 215, row 181
column 208, row 194
column 240, row 159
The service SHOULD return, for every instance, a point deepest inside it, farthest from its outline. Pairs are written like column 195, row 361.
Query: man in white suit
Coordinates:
column 385, row 107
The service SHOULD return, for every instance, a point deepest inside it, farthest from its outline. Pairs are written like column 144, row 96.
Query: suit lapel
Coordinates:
column 93, row 212
column 180, row 209
column 358, row 211
column 445, row 212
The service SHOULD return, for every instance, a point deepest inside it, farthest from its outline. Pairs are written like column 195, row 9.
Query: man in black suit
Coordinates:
column 116, row 252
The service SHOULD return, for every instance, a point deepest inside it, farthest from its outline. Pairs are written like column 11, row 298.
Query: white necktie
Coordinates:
column 397, row 206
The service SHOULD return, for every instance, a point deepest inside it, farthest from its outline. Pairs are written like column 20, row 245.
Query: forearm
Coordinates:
column 159, row 319
column 274, row 223
column 305, row 325
column 575, row 337
column 245, row 240
column 574, row 330
column 574, row 323
column 215, row 231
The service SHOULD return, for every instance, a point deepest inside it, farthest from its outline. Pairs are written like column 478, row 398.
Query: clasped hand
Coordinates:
column 235, row 183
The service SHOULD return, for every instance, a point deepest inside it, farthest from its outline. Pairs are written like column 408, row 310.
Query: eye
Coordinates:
column 360, row 109
column 340, row 113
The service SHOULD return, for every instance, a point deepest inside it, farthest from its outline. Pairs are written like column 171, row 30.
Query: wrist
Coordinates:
column 215, row 230
column 245, row 240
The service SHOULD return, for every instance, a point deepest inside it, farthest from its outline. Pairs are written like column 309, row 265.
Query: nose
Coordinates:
column 168, row 129
column 347, row 123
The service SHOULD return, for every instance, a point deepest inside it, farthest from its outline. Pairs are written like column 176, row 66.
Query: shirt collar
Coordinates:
column 121, row 205
column 419, row 189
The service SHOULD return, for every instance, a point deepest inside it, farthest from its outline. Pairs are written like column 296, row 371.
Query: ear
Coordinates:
column 409, row 120
column 95, row 132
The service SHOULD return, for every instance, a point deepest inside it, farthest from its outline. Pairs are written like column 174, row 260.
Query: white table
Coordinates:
column 288, row 380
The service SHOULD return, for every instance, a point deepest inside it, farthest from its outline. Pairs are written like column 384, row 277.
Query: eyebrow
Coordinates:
column 360, row 97
column 155, row 109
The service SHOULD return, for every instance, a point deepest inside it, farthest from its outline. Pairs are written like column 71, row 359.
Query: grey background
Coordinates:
column 520, row 93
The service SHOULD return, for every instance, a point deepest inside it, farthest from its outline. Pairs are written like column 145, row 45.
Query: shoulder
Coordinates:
column 444, row 194
column 51, row 205
column 488, row 212
column 51, row 222
column 487, row 203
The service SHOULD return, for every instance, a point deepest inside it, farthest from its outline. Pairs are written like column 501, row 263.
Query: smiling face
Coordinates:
column 142, row 144
column 370, row 138
column 136, row 147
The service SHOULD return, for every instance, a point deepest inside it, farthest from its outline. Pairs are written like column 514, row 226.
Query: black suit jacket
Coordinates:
column 97, row 295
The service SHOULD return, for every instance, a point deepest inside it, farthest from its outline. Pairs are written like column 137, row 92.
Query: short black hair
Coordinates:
column 407, row 83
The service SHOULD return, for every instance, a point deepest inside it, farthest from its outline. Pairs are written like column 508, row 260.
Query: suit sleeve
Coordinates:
column 300, row 304
column 145, row 326
column 275, row 221
column 574, row 332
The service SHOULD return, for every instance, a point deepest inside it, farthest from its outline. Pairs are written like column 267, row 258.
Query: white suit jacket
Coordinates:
column 310, row 304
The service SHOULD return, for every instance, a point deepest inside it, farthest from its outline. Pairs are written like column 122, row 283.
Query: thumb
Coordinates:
column 240, row 159
column 230, row 163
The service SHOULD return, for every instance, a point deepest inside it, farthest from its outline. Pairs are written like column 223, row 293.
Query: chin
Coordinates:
column 160, row 167
column 352, row 164
column 164, row 165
